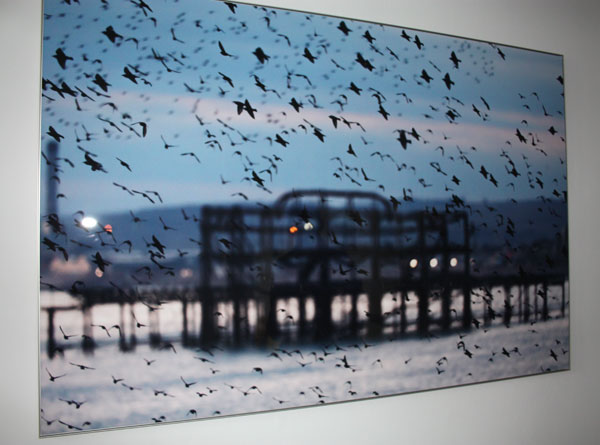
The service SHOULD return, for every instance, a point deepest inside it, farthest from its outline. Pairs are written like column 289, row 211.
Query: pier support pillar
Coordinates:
column 184, row 322
column 87, row 344
column 545, row 301
column 403, row 321
column 563, row 300
column 526, row 304
column 508, row 308
column 51, row 344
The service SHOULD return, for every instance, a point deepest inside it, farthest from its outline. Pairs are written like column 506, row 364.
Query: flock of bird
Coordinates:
column 206, row 382
column 142, row 98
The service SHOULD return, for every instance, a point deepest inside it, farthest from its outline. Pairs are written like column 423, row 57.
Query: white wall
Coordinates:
column 549, row 409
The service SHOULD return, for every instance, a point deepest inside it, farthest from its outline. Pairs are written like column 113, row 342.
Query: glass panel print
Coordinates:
column 246, row 209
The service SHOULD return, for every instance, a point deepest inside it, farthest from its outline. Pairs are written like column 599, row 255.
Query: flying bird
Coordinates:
column 61, row 58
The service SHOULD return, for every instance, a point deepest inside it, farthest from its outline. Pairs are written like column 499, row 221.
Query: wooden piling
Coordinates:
column 445, row 265
column 375, row 319
column 208, row 333
column 544, row 301
column 467, row 313
column 51, row 342
column 423, row 291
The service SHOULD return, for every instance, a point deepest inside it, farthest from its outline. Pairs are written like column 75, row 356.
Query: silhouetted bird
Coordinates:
column 61, row 58
column 344, row 28
column 260, row 55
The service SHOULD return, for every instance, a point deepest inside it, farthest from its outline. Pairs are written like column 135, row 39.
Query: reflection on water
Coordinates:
column 167, row 381
column 225, row 382
column 175, row 320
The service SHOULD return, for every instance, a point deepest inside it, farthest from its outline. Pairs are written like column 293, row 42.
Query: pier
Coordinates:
column 282, row 271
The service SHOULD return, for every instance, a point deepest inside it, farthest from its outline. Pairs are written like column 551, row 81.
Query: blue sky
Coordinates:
column 520, row 88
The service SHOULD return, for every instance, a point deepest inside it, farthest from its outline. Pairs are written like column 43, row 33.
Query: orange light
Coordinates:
column 293, row 229
column 108, row 228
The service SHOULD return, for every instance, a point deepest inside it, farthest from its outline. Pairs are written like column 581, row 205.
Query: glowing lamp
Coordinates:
column 88, row 222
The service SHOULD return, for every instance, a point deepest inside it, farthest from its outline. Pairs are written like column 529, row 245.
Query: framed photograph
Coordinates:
column 246, row 209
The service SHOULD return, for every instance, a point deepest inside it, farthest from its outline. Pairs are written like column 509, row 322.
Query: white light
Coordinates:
column 433, row 263
column 98, row 272
column 308, row 226
column 88, row 222
column 453, row 262
column 413, row 263
column 185, row 273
